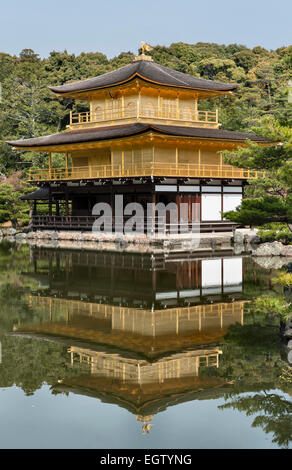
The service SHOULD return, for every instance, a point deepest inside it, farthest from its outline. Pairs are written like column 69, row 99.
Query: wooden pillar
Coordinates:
column 50, row 201
column 196, row 108
column 220, row 166
column 66, row 163
column 178, row 203
column 152, row 216
column 50, row 165
column 112, row 206
column 66, row 202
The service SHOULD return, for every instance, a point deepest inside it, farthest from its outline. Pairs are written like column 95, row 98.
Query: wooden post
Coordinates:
column 177, row 106
column 50, row 202
column 66, row 203
column 196, row 109
column 66, row 160
column 50, row 165
column 199, row 162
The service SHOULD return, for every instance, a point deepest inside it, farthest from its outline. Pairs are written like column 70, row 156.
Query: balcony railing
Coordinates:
column 170, row 113
column 147, row 169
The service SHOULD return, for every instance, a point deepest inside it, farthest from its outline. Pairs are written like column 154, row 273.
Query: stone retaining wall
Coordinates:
column 95, row 241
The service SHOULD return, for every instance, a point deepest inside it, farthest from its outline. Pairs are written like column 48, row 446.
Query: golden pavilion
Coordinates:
column 144, row 137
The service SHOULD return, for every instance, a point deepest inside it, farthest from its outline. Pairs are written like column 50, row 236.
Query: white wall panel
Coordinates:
column 211, row 207
column 231, row 201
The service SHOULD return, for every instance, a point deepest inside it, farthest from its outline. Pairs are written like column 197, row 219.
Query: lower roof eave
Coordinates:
column 94, row 137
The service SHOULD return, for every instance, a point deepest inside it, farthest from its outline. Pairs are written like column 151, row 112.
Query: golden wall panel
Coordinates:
column 210, row 157
column 164, row 155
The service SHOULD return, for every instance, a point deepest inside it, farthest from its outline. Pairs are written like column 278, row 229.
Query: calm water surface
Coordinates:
column 112, row 350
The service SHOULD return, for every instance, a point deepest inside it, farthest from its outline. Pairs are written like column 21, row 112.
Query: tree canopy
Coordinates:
column 29, row 109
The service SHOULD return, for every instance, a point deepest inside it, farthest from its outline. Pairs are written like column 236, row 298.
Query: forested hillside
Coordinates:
column 29, row 109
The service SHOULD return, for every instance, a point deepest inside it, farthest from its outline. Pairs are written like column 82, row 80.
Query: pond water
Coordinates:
column 120, row 350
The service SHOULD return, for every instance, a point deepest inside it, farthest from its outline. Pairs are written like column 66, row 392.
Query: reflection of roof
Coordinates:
column 142, row 386
column 149, row 399
column 128, row 130
column 149, row 346
column 149, row 71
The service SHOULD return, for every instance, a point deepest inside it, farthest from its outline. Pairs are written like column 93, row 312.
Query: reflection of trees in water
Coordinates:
column 14, row 287
column 252, row 358
column 257, row 279
column 29, row 363
column 276, row 414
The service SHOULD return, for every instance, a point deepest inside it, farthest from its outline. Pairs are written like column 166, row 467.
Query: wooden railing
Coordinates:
column 147, row 169
column 116, row 224
column 112, row 114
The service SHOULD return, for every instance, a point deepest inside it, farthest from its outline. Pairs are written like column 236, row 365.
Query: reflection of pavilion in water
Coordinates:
column 140, row 281
column 142, row 386
column 140, row 337
column 142, row 371
column 152, row 308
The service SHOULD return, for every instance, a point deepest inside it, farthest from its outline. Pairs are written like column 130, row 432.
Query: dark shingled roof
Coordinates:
column 149, row 71
column 115, row 132
column 38, row 194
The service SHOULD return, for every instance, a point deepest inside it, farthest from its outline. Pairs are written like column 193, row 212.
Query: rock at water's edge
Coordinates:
column 273, row 249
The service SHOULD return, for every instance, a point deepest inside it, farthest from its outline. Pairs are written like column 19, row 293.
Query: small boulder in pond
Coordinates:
column 273, row 249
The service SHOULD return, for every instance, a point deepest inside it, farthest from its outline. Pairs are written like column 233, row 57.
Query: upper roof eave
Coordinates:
column 150, row 72
column 138, row 76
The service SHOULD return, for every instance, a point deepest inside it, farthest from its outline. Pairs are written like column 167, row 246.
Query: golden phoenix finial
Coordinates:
column 145, row 47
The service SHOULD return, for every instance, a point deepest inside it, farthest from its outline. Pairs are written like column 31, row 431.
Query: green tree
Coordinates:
column 11, row 208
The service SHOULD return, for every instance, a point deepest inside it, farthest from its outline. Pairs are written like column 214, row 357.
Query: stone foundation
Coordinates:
column 238, row 243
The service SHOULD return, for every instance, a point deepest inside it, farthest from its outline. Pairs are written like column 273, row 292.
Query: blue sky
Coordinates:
column 112, row 26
